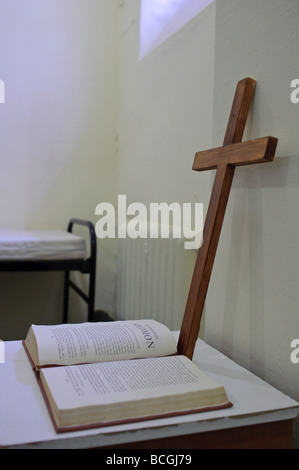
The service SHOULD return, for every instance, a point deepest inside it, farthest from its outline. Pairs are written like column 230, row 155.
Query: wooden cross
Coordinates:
column 224, row 160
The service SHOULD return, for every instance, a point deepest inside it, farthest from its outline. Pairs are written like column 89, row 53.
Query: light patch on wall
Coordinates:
column 160, row 19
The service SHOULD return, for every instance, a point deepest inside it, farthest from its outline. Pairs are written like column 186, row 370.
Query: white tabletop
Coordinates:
column 25, row 422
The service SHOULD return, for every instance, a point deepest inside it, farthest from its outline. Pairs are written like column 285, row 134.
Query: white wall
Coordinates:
column 69, row 66
column 165, row 110
column 165, row 114
column 57, row 138
column 252, row 305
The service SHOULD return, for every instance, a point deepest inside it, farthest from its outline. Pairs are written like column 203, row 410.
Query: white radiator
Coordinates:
column 153, row 279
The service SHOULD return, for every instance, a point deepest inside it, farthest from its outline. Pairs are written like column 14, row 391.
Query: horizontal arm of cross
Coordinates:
column 244, row 153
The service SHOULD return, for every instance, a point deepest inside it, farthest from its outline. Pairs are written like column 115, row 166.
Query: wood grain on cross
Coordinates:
column 224, row 160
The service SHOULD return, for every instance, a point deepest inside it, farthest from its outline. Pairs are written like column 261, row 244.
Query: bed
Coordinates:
column 54, row 250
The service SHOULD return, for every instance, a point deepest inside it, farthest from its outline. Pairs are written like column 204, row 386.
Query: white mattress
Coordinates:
column 40, row 245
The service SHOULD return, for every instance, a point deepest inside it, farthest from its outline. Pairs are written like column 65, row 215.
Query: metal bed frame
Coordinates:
column 85, row 266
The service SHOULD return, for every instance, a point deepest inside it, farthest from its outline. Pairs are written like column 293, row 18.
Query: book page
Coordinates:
column 121, row 384
column 103, row 341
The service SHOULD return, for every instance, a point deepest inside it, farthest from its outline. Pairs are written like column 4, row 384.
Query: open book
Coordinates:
column 88, row 377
